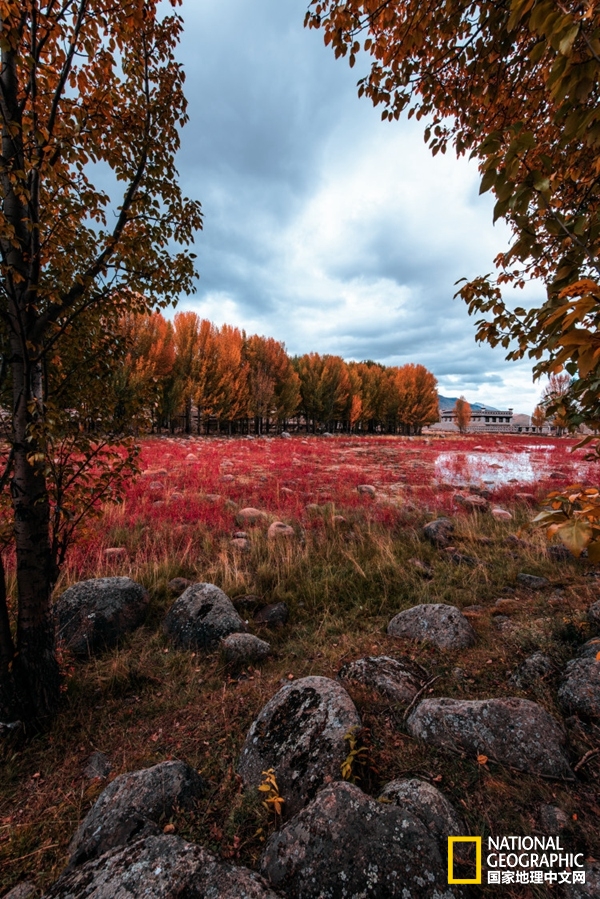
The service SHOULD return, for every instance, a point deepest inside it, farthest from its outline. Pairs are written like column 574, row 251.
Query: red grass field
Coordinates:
column 193, row 487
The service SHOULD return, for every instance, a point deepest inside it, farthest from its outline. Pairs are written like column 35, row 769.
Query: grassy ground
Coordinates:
column 143, row 702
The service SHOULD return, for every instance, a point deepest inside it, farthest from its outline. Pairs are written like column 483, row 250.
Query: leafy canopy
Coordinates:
column 516, row 85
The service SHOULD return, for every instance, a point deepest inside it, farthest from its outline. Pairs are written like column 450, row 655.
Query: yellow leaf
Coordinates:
column 575, row 535
column 482, row 759
column 265, row 788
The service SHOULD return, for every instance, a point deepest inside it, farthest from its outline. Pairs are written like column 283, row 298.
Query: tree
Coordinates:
column 462, row 414
column 417, row 398
column 556, row 401
column 515, row 84
column 86, row 87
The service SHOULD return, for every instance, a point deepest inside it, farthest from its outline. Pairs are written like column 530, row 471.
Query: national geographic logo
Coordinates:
column 512, row 860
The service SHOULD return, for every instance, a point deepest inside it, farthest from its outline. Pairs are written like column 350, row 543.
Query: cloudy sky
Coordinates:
column 325, row 227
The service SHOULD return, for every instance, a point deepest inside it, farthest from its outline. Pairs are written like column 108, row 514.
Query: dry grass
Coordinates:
column 144, row 702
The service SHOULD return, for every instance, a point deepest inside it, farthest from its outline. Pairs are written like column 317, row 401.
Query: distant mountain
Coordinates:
column 447, row 403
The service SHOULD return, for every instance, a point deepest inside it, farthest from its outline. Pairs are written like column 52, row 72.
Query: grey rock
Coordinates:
column 250, row 515
column 516, row 732
column 552, row 819
column 590, row 649
column 591, row 888
column 159, row 867
column 300, row 733
column 285, row 435
column 579, row 691
column 279, row 529
column 559, row 553
column 399, row 681
column 345, row 845
column 531, row 671
column 532, row 582
column 133, row 806
column 92, row 615
column 241, row 649
column 241, row 543
column 24, row 890
column 367, row 489
column 439, row 532
column 429, row 805
column 443, row 625
column 593, row 614
column 97, row 765
column 201, row 617
column 275, row 614
column 177, row 585
column 472, row 502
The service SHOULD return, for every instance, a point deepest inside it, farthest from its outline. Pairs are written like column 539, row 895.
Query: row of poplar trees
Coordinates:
column 189, row 374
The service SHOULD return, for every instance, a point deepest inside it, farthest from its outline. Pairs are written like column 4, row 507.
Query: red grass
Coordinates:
column 177, row 497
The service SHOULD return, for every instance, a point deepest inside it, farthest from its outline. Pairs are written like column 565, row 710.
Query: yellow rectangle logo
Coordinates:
column 451, row 842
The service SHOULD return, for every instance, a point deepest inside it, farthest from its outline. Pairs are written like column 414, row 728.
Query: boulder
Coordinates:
column 590, row 888
column 345, row 845
column 249, row 515
column 501, row 514
column 275, row 614
column 92, row 615
column 301, row 734
column 515, row 732
column 532, row 582
column 579, row 691
column 97, row 765
column 439, row 532
column 443, row 625
column 472, row 502
column 593, row 614
column 399, row 681
column 429, row 805
column 201, row 617
column 159, row 867
column 24, row 890
column 242, row 649
column 133, row 806
column 590, row 650
column 279, row 529
column 367, row 489
column 552, row 819
column 177, row 585
column 531, row 671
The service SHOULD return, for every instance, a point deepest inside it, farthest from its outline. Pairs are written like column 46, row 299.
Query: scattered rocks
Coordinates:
column 552, row 819
column 345, row 844
column 243, row 649
column 275, row 614
column 201, row 617
column 177, row 585
column 98, row 765
column 559, row 553
column 300, row 733
column 472, row 502
column 92, row 615
column 116, row 554
column 424, row 570
column 516, row 732
column 593, row 614
column 241, row 543
column 249, row 515
column 580, row 688
column 429, row 805
column 279, row 529
column 159, row 867
column 532, row 582
column 399, row 681
column 443, row 625
column 367, row 489
column 501, row 514
column 531, row 671
column 132, row 806
column 439, row 532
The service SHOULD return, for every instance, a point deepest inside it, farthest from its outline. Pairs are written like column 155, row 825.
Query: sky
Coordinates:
column 325, row 227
